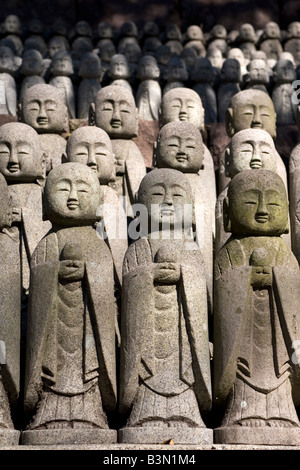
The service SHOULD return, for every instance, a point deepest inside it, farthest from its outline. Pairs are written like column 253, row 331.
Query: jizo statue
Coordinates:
column 43, row 108
column 92, row 146
column 116, row 113
column 165, row 373
column 72, row 323
column 256, row 327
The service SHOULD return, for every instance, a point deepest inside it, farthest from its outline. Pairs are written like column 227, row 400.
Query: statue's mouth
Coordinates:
column 256, row 165
column 116, row 124
column 262, row 219
column 72, row 205
column 42, row 121
column 13, row 167
column 181, row 158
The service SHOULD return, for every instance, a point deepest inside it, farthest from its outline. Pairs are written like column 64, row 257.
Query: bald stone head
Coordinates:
column 251, row 109
column 21, row 155
column 115, row 112
column 256, row 204
column 43, row 108
column 250, row 149
column 72, row 195
column 91, row 146
column 182, row 104
column 180, row 146
column 164, row 192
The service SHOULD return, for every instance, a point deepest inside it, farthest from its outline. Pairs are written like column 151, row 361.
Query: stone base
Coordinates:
column 273, row 436
column 156, row 435
column 68, row 436
column 9, row 437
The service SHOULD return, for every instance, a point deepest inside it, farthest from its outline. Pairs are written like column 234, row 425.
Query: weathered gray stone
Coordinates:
column 70, row 369
column 116, row 113
column 148, row 95
column 256, row 361
column 43, row 108
column 165, row 370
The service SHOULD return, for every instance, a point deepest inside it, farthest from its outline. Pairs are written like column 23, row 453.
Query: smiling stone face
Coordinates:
column 43, row 108
column 257, row 204
column 182, row 104
column 91, row 146
column 250, row 149
column 72, row 195
column 21, row 156
column 180, row 147
column 116, row 112
column 251, row 109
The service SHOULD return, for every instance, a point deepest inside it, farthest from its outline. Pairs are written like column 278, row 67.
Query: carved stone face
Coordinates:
column 119, row 66
column 6, row 59
column 258, row 72
column 21, row 157
column 215, row 57
column 147, row 68
column 194, row 32
column 251, row 109
column 57, row 44
column 176, row 69
column 257, row 204
column 91, row 146
column 104, row 30
column 116, row 112
column 32, row 63
column 294, row 29
column 203, row 70
column 237, row 53
column 12, row 24
column 180, row 146
column 247, row 32
column 72, row 195
column 62, row 64
column 182, row 104
column 164, row 192
column 250, row 149
column 231, row 71
column 284, row 71
column 272, row 30
column 43, row 108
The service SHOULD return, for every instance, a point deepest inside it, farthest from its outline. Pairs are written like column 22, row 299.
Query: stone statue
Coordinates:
column 10, row 320
column 70, row 379
column 249, row 149
column 119, row 71
column 165, row 371
column 32, row 70
column 258, row 76
column 214, row 55
column 230, row 85
column 91, row 146
column 292, row 44
column 115, row 112
column 218, row 38
column 90, row 74
column 57, row 43
column 162, row 55
column 194, row 38
column 128, row 34
column 148, row 95
column 270, row 41
column 173, row 38
column 184, row 105
column 246, row 39
column 284, row 74
column 12, row 29
column 236, row 53
column 176, row 73
column 43, row 108
column 189, row 55
column 250, row 109
column 203, row 78
column 8, row 87
column 23, row 166
column 180, row 147
column 256, row 328
column 62, row 70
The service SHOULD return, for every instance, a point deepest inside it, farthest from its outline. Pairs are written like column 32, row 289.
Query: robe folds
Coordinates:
column 42, row 361
column 233, row 307
column 137, row 324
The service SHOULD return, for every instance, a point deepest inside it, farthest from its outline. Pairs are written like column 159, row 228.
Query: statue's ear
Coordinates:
column 92, row 115
column 227, row 162
column 229, row 122
column 226, row 219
